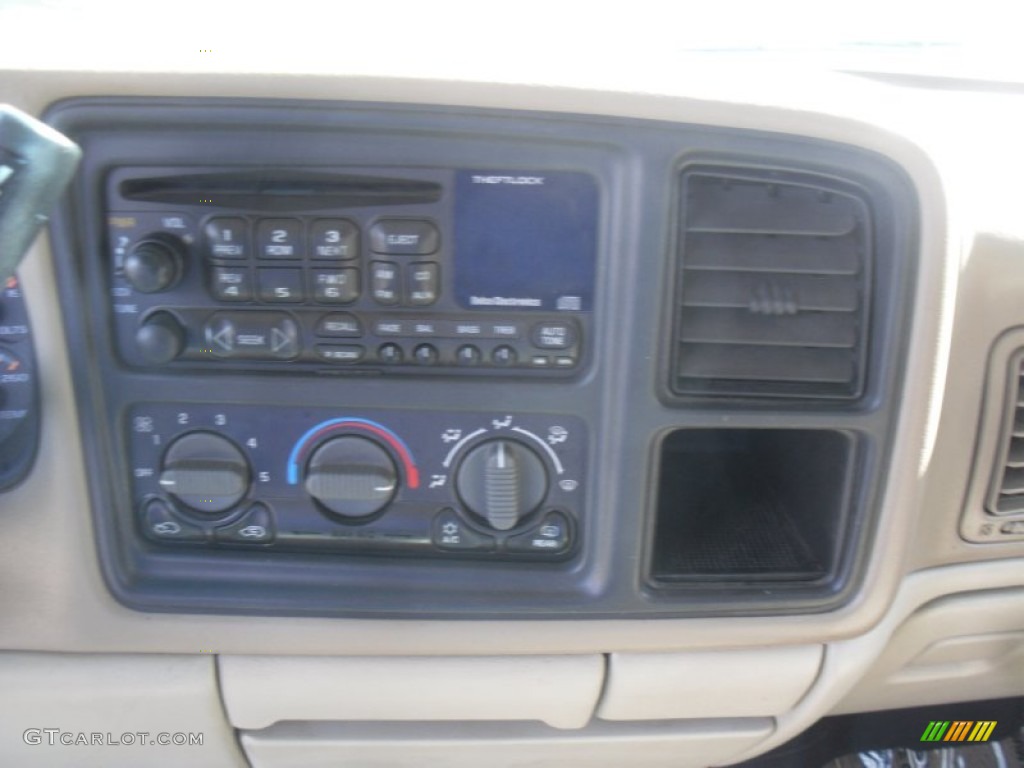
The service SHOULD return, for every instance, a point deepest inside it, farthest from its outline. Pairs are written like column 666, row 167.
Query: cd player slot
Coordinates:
column 280, row 190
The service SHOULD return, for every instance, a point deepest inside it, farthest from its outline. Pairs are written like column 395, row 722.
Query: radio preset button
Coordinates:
column 279, row 239
column 280, row 285
column 336, row 286
column 226, row 238
column 410, row 237
column 339, row 324
column 384, row 282
column 390, row 353
column 468, row 355
column 333, row 239
column 423, row 282
column 554, row 335
column 231, row 283
column 426, row 354
column 340, row 353
column 504, row 355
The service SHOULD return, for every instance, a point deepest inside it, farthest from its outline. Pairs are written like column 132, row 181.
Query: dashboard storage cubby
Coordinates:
column 750, row 505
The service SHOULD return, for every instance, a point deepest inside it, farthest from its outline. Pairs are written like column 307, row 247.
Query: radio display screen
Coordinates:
column 525, row 240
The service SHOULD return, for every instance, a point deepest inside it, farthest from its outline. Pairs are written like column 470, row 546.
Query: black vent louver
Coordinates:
column 773, row 286
column 1007, row 494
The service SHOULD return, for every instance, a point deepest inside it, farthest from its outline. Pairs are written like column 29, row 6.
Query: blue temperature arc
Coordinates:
column 411, row 472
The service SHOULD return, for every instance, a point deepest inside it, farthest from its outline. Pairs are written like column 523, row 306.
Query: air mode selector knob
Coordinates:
column 205, row 472
column 155, row 264
column 502, row 481
column 351, row 476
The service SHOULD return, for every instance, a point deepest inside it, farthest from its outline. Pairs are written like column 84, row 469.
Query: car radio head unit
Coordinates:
column 474, row 271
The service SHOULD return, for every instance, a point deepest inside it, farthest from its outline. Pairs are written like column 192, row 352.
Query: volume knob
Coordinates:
column 502, row 481
column 155, row 264
column 351, row 476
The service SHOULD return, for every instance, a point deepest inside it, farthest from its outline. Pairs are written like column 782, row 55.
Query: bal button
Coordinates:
column 426, row 354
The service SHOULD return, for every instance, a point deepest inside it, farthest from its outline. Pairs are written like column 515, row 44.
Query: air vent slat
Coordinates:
column 702, row 361
column 757, row 205
column 758, row 253
column 729, row 326
column 1015, row 456
column 811, row 293
column 1006, row 495
column 1013, row 483
column 773, row 291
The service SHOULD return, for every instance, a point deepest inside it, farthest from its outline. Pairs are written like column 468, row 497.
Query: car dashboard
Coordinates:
column 384, row 420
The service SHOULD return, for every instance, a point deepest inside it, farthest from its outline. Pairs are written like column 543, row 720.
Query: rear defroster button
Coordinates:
column 550, row 537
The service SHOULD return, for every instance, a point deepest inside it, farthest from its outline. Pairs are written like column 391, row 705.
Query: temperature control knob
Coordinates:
column 351, row 476
column 155, row 264
column 502, row 481
column 205, row 472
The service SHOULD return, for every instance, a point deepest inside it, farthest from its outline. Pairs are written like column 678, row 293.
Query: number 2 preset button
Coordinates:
column 279, row 239
column 280, row 285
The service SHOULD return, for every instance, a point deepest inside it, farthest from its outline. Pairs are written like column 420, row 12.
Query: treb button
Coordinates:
column 410, row 237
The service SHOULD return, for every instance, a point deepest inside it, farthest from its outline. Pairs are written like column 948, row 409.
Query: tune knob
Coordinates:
column 351, row 476
column 502, row 481
column 205, row 472
column 155, row 264
column 160, row 338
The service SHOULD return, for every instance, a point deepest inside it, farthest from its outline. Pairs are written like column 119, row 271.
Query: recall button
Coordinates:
column 340, row 324
column 409, row 237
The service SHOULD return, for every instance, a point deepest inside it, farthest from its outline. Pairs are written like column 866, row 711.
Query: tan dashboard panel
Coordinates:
column 561, row 691
column 959, row 648
column 659, row 686
column 693, row 744
column 128, row 710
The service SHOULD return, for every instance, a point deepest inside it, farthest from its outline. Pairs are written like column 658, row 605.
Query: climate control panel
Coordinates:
column 495, row 485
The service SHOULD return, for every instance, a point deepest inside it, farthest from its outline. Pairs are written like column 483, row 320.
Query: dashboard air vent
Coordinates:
column 1007, row 494
column 773, row 285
